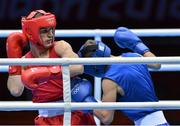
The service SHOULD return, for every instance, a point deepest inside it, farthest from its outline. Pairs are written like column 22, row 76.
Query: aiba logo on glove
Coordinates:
column 75, row 90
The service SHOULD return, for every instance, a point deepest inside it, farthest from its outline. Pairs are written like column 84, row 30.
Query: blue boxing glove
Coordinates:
column 124, row 38
column 82, row 92
column 93, row 48
column 74, row 81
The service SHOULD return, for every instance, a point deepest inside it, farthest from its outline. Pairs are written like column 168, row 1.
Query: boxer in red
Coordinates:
column 46, row 81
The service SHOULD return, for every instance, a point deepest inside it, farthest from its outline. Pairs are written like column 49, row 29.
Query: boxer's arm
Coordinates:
column 109, row 95
column 14, row 45
column 64, row 49
column 125, row 38
column 152, row 66
column 14, row 85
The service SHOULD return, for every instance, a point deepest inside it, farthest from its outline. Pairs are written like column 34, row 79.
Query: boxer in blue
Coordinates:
column 123, row 82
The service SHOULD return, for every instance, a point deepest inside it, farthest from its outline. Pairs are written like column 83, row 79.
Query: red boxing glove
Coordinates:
column 14, row 45
column 32, row 77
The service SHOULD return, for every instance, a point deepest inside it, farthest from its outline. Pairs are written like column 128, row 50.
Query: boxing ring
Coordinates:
column 168, row 64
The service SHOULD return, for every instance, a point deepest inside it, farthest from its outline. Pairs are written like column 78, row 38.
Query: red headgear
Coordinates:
column 31, row 26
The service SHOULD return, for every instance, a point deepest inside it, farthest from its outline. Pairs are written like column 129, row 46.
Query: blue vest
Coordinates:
column 136, row 82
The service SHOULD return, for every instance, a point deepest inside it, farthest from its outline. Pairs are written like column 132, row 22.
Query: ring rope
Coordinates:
column 66, row 95
column 106, row 33
column 89, row 61
column 27, row 105
column 164, row 68
column 97, row 85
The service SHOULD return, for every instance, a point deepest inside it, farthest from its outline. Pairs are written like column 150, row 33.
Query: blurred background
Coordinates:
column 100, row 14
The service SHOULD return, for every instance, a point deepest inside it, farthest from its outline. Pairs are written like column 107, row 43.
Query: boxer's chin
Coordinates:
column 48, row 44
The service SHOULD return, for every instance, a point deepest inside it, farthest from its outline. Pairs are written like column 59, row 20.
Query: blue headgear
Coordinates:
column 98, row 49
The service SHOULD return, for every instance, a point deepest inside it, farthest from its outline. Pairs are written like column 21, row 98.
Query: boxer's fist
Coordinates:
column 124, row 38
column 32, row 77
column 82, row 92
